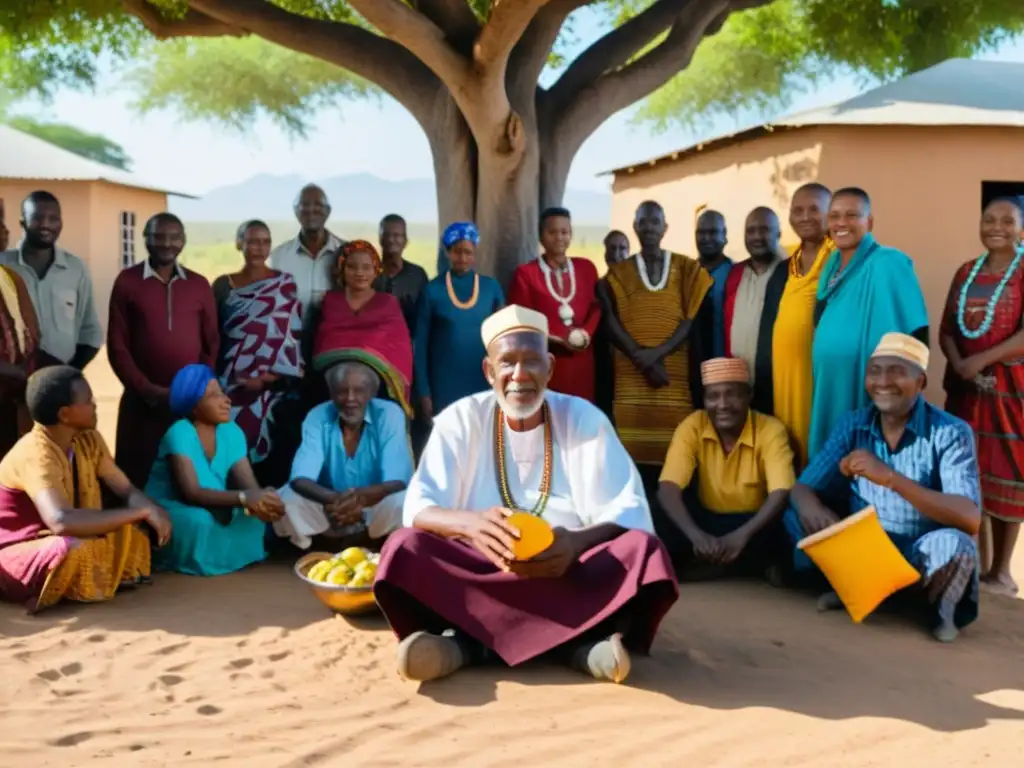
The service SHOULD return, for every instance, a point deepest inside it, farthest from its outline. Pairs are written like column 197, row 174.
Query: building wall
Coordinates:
column 925, row 183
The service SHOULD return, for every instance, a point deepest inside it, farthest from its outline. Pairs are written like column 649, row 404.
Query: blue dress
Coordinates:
column 200, row 545
column 447, row 346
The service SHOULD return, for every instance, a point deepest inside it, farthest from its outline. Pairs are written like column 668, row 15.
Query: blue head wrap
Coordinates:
column 460, row 230
column 188, row 388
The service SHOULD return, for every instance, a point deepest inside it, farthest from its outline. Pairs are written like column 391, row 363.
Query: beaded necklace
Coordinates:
column 455, row 299
column 641, row 267
column 565, row 310
column 993, row 301
column 796, row 269
column 499, row 453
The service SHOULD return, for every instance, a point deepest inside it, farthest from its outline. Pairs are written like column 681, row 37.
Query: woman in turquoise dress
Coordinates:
column 216, row 530
column 865, row 291
column 448, row 350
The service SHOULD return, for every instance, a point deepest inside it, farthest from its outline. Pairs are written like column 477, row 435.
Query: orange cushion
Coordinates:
column 535, row 535
column 860, row 561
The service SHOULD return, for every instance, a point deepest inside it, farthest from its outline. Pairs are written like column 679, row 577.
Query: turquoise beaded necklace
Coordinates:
column 990, row 310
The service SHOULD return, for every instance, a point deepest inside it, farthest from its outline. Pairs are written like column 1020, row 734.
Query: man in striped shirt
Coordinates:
column 917, row 465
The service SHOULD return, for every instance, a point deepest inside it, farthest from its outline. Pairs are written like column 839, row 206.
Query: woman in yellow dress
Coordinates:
column 56, row 540
column 794, row 327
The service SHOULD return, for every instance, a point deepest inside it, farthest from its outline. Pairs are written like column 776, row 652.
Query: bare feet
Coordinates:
column 999, row 584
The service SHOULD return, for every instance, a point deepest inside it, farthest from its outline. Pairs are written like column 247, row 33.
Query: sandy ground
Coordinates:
column 250, row 669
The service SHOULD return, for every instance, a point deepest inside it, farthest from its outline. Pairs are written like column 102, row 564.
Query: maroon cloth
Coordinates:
column 155, row 329
column 24, row 569
column 520, row 619
column 378, row 329
column 574, row 370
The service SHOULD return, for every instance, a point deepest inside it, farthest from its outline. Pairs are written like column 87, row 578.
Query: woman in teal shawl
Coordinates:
column 866, row 290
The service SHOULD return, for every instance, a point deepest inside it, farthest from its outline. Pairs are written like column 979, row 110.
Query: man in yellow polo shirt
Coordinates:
column 726, row 479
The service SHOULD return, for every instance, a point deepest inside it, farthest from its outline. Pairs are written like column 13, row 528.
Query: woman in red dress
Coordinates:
column 362, row 324
column 564, row 289
column 983, row 341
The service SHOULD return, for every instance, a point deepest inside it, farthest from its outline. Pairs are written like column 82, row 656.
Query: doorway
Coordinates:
column 993, row 189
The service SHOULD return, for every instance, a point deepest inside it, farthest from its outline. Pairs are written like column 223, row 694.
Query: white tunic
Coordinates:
column 593, row 478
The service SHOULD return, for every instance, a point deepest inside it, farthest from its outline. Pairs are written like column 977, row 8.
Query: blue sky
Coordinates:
column 369, row 137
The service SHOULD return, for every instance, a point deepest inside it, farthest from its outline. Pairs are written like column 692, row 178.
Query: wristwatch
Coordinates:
column 242, row 498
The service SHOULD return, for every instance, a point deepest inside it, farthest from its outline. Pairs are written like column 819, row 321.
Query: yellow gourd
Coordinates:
column 535, row 535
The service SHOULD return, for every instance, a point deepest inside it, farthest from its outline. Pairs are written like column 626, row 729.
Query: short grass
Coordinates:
column 211, row 247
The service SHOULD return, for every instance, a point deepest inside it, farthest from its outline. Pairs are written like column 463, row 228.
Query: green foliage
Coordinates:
column 90, row 145
column 231, row 81
column 763, row 58
column 759, row 61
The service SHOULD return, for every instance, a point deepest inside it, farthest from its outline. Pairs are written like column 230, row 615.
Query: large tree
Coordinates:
column 469, row 70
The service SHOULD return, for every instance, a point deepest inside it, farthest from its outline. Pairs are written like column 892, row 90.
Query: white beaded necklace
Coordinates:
column 565, row 310
column 641, row 267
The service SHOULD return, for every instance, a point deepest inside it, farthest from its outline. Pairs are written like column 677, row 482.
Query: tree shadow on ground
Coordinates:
column 731, row 646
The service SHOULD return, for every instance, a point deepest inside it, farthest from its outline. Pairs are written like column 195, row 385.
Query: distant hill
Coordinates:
column 359, row 197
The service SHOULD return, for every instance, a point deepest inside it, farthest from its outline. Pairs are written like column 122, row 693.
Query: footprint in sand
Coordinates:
column 171, row 680
column 240, row 663
column 96, row 638
column 53, row 675
column 72, row 739
column 169, row 649
column 279, row 656
column 209, row 710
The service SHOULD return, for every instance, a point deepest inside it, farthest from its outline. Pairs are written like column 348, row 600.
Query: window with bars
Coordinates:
column 127, row 239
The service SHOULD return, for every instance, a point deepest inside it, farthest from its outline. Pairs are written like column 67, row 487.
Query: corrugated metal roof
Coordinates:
column 956, row 92
column 23, row 156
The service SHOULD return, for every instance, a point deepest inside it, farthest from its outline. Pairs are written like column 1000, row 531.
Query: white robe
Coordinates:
column 594, row 480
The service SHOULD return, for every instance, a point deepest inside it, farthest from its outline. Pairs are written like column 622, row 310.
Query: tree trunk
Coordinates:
column 501, row 188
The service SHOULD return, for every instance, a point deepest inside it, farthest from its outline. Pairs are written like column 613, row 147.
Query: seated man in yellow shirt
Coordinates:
column 726, row 480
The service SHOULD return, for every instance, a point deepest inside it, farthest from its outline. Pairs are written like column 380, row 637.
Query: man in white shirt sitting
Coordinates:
column 448, row 582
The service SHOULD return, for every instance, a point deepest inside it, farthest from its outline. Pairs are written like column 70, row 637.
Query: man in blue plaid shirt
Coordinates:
column 918, row 466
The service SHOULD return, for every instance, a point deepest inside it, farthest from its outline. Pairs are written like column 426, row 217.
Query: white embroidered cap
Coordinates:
column 512, row 319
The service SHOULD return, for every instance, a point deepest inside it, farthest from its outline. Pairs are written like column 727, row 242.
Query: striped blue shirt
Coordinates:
column 937, row 451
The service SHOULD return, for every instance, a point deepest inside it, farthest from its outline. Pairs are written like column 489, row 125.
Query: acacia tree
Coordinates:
column 468, row 70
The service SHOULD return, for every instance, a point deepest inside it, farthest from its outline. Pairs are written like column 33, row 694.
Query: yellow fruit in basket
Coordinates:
column 352, row 556
column 361, row 579
column 340, row 575
column 319, row 570
column 367, row 570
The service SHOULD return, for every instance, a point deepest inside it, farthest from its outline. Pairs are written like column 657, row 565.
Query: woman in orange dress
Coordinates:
column 56, row 540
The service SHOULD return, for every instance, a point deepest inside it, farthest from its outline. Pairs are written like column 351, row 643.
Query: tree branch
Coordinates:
column 509, row 20
column 616, row 48
column 530, row 55
column 616, row 90
column 455, row 18
column 418, row 34
column 192, row 24
column 358, row 50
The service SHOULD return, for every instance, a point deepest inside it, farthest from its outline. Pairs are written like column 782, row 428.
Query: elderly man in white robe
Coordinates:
column 449, row 583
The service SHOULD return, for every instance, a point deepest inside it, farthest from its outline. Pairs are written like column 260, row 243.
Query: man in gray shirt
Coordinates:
column 59, row 285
